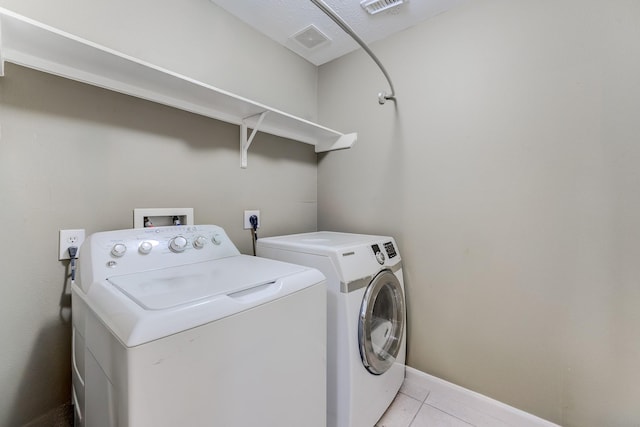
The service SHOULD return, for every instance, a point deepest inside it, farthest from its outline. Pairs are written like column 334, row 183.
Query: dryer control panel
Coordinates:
column 389, row 249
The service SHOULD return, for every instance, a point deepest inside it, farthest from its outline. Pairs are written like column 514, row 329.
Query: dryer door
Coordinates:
column 381, row 323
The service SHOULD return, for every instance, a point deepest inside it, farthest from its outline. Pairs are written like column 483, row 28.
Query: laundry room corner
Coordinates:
column 507, row 171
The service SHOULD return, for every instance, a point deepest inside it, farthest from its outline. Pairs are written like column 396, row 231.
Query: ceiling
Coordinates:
column 281, row 20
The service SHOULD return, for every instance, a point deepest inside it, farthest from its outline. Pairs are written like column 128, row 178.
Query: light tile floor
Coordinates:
column 425, row 401
column 410, row 410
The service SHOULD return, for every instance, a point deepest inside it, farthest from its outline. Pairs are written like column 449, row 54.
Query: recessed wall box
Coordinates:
column 161, row 217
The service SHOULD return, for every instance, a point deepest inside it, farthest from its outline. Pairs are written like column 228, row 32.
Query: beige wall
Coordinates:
column 193, row 37
column 75, row 156
column 509, row 173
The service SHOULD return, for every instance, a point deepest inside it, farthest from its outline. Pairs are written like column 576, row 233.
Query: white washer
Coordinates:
column 172, row 326
column 366, row 318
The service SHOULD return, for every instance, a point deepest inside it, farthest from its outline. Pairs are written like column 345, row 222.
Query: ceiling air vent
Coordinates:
column 310, row 37
column 377, row 6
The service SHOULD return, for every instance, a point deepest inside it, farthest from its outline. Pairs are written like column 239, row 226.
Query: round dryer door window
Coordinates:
column 381, row 323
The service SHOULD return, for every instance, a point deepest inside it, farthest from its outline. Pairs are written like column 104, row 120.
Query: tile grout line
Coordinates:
column 424, row 402
column 451, row 415
column 419, row 408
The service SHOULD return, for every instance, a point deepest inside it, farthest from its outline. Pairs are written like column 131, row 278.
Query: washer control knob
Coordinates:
column 178, row 244
column 216, row 239
column 118, row 249
column 145, row 247
column 380, row 257
column 199, row 242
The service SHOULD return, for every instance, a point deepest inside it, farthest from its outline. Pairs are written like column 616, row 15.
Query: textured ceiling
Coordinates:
column 282, row 19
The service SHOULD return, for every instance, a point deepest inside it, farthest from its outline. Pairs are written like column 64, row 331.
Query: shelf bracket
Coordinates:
column 245, row 142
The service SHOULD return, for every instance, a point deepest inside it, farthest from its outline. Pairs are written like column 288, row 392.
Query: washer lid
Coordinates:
column 171, row 287
column 143, row 307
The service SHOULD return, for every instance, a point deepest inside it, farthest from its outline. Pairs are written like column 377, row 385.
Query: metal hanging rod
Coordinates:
column 382, row 96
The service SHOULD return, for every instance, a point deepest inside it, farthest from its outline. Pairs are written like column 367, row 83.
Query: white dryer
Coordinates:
column 172, row 326
column 366, row 318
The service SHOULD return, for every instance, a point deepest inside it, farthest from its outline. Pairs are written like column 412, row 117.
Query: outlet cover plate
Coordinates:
column 247, row 215
column 69, row 238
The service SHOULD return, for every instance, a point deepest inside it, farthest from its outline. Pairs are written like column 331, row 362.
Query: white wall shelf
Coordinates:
column 32, row 44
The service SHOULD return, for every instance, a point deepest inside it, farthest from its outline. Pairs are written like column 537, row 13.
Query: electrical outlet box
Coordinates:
column 69, row 238
column 247, row 215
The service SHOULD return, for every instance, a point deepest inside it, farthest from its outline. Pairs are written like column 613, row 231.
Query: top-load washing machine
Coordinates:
column 172, row 326
column 366, row 318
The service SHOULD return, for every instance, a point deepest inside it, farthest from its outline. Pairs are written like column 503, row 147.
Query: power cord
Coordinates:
column 253, row 220
column 73, row 254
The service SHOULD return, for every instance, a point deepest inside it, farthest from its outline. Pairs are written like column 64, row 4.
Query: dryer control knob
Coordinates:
column 145, row 247
column 380, row 257
column 118, row 249
column 199, row 242
column 178, row 244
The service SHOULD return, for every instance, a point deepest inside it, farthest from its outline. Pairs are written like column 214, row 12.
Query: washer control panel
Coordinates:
column 177, row 239
column 141, row 249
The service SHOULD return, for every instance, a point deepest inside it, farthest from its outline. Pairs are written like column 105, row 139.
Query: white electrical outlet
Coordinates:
column 247, row 215
column 69, row 238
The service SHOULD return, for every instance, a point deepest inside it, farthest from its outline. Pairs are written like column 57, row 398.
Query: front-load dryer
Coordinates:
column 365, row 317
column 172, row 326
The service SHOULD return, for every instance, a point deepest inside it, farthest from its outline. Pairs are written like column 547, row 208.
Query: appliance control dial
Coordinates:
column 216, row 239
column 380, row 257
column 199, row 242
column 118, row 249
column 178, row 244
column 145, row 247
